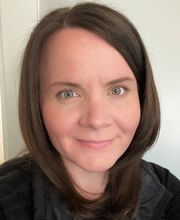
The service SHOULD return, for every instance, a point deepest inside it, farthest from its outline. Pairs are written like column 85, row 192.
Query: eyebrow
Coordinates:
column 119, row 80
column 77, row 85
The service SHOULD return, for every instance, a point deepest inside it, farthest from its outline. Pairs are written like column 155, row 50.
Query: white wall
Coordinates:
column 158, row 23
column 1, row 128
column 17, row 19
column 1, row 135
column 46, row 5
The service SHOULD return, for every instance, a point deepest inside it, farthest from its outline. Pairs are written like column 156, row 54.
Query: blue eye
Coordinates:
column 117, row 90
column 66, row 94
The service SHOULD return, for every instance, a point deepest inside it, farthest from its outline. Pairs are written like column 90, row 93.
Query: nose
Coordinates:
column 96, row 114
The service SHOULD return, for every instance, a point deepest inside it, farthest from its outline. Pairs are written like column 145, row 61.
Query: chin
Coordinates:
column 98, row 167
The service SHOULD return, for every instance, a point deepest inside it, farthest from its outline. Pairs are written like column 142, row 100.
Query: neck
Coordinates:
column 89, row 184
column 92, row 185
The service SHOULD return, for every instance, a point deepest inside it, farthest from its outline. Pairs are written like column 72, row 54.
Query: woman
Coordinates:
column 88, row 109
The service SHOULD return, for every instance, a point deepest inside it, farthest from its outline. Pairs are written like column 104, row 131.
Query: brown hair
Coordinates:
column 120, row 198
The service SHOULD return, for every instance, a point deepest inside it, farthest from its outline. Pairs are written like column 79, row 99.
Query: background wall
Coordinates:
column 1, row 128
column 17, row 19
column 158, row 23
column 1, row 136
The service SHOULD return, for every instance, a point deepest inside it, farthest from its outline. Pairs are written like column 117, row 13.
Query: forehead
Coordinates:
column 78, row 52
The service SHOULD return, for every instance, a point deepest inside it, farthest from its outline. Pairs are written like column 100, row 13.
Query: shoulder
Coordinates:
column 172, row 185
column 15, row 173
column 16, row 186
column 171, row 182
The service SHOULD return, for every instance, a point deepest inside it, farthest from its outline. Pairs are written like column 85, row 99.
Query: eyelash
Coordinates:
column 63, row 93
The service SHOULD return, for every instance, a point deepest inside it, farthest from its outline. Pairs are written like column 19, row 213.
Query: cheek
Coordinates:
column 133, row 118
column 129, row 118
column 58, row 122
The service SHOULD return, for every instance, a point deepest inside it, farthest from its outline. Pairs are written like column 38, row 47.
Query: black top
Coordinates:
column 24, row 194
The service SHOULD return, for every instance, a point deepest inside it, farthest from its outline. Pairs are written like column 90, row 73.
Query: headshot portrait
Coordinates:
column 95, row 139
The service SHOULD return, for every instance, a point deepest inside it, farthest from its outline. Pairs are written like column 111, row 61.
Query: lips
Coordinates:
column 95, row 144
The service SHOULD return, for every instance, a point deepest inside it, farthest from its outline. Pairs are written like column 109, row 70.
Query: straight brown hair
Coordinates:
column 120, row 199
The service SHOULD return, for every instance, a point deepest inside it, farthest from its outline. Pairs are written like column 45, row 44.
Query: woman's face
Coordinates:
column 89, row 100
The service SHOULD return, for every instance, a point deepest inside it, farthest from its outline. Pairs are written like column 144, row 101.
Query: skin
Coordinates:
column 89, row 103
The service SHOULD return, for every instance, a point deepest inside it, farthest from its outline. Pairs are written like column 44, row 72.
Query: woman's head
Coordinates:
column 98, row 25
column 89, row 100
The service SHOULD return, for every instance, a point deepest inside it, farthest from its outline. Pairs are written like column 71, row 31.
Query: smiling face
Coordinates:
column 89, row 100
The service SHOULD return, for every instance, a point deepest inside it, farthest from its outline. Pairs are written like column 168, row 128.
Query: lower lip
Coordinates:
column 95, row 145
